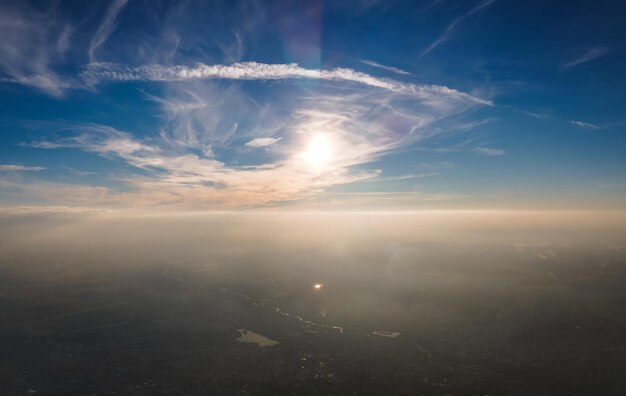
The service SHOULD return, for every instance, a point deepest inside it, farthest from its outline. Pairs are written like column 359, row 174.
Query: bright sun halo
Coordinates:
column 318, row 151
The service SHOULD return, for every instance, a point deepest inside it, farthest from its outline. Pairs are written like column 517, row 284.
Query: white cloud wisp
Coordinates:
column 20, row 168
column 97, row 72
column 106, row 28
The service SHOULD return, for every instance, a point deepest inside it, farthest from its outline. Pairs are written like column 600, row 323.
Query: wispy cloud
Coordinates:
column 106, row 28
column 488, row 152
column 588, row 56
column 186, row 179
column 194, row 158
column 404, row 177
column 534, row 115
column 437, row 165
column 77, row 172
column 200, row 115
column 33, row 40
column 365, row 118
column 20, row 168
column 585, row 124
column 453, row 25
column 262, row 142
column 98, row 72
column 432, row 6
column 22, row 210
column 364, row 123
column 384, row 67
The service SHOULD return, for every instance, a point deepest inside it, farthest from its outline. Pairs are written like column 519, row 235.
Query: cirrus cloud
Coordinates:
column 187, row 163
column 98, row 72
column 488, row 152
column 262, row 142
column 20, row 168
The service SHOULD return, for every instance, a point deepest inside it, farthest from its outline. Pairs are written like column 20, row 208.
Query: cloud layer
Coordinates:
column 226, row 135
column 364, row 118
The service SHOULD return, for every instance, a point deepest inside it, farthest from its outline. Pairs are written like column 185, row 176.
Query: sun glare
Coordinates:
column 318, row 151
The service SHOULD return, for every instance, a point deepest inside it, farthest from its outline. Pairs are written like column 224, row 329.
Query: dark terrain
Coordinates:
column 473, row 320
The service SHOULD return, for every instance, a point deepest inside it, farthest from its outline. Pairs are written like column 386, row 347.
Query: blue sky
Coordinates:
column 313, row 105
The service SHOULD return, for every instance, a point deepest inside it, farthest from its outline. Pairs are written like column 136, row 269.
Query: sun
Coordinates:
column 318, row 152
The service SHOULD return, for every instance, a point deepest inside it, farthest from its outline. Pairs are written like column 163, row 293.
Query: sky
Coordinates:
column 313, row 105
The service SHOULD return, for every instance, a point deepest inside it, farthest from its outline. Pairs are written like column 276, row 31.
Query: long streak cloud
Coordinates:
column 97, row 72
